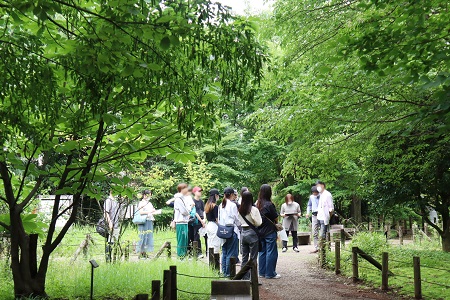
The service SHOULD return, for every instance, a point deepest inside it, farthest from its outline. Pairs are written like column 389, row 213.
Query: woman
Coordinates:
column 290, row 211
column 243, row 189
column 248, row 214
column 181, row 218
column 145, row 243
column 228, row 216
column 212, row 216
column 268, row 255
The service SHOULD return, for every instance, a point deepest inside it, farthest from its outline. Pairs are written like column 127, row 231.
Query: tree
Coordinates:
column 91, row 88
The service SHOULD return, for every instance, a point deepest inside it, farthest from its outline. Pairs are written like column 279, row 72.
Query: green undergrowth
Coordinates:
column 435, row 265
column 120, row 280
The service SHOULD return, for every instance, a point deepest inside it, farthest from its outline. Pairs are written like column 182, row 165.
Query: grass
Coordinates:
column 121, row 280
column 435, row 266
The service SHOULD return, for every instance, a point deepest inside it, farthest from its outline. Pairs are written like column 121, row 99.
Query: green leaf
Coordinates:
column 165, row 43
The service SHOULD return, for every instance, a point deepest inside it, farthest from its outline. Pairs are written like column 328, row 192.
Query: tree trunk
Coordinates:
column 356, row 209
column 445, row 234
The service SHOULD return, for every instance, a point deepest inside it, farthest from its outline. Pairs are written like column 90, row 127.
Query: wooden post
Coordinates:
column 322, row 253
column 156, row 289
column 244, row 269
column 385, row 271
column 337, row 256
column 254, row 281
column 211, row 257
column 195, row 249
column 370, row 227
column 355, row 264
column 173, row 282
column 400, row 233
column 217, row 261
column 232, row 267
column 141, row 297
column 417, row 278
column 169, row 250
column 425, row 228
column 343, row 238
column 167, row 285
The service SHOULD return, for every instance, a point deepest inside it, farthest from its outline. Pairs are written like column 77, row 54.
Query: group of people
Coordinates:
column 253, row 222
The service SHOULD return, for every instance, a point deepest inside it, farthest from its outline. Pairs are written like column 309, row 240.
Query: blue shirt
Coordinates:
column 313, row 204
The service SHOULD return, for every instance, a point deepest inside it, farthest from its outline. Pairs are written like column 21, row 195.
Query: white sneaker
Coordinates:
column 278, row 276
column 284, row 250
column 296, row 249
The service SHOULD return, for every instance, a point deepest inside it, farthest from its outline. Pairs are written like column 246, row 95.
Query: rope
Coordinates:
column 435, row 283
column 193, row 293
column 368, row 268
column 403, row 276
column 204, row 277
column 435, row 268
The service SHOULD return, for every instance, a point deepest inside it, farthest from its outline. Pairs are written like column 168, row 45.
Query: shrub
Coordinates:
column 372, row 243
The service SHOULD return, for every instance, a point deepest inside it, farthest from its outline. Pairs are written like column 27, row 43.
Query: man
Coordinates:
column 313, row 205
column 112, row 211
column 200, row 215
column 325, row 208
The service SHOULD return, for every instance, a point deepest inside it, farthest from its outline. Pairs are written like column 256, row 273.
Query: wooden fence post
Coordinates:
column 167, row 285
column 169, row 250
column 322, row 253
column 400, row 233
column 173, row 282
column 355, row 264
column 337, row 256
column 211, row 257
column 343, row 238
column 232, row 267
column 254, row 281
column 156, row 289
column 385, row 271
column 195, row 249
column 217, row 261
column 417, row 278
column 141, row 297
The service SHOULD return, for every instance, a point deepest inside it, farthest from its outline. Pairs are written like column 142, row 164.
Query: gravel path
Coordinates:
column 302, row 279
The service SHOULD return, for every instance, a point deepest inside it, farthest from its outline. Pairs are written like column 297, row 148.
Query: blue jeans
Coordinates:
column 229, row 249
column 268, row 256
column 323, row 229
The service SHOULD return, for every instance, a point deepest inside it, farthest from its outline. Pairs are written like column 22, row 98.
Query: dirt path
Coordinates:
column 302, row 279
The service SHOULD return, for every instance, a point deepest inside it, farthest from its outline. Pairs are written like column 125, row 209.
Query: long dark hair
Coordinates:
column 224, row 201
column 246, row 203
column 265, row 195
column 210, row 203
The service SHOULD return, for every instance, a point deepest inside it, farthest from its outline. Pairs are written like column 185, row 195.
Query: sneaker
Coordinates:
column 284, row 250
column 315, row 251
column 262, row 276
column 296, row 249
column 200, row 256
column 278, row 276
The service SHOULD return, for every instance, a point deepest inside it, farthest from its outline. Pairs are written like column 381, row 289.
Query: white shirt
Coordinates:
column 325, row 207
column 147, row 206
column 228, row 215
column 253, row 217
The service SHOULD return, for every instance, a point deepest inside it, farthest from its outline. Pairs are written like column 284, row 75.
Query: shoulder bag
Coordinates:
column 139, row 219
column 224, row 231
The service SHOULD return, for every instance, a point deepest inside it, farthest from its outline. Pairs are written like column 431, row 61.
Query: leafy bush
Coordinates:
column 372, row 243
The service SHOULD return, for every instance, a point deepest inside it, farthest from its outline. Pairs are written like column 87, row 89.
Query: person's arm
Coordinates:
column 216, row 213
column 299, row 210
column 107, row 208
column 309, row 207
column 235, row 213
column 272, row 213
column 256, row 216
column 282, row 212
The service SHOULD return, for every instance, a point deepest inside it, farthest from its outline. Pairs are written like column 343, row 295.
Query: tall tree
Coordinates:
column 91, row 87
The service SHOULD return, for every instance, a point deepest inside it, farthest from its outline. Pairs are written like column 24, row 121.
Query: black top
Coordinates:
column 213, row 215
column 268, row 211
column 199, row 207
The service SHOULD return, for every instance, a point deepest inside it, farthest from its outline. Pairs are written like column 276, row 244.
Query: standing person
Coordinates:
column 212, row 216
column 181, row 218
column 313, row 206
column 248, row 214
column 243, row 189
column 268, row 255
column 200, row 216
column 145, row 207
column 290, row 211
column 112, row 211
column 234, row 198
column 228, row 216
column 325, row 208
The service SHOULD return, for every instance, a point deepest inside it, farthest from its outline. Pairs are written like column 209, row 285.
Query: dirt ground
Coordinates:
column 301, row 278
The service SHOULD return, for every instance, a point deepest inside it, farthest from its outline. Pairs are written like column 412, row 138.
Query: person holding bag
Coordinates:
column 228, row 230
column 268, row 255
column 146, row 211
column 181, row 218
column 250, row 218
column 290, row 211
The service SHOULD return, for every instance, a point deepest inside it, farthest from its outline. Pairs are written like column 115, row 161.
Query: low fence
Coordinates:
column 169, row 289
column 382, row 267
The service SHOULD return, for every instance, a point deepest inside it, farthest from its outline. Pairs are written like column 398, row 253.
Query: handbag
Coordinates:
column 139, row 219
column 102, row 228
column 255, row 230
column 278, row 226
column 225, row 232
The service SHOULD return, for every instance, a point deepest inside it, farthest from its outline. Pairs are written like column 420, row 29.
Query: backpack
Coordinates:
column 102, row 228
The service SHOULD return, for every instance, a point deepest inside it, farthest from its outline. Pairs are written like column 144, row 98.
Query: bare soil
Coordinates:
column 301, row 278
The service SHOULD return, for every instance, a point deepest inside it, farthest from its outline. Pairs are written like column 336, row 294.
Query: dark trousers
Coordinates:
column 195, row 236
column 294, row 239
